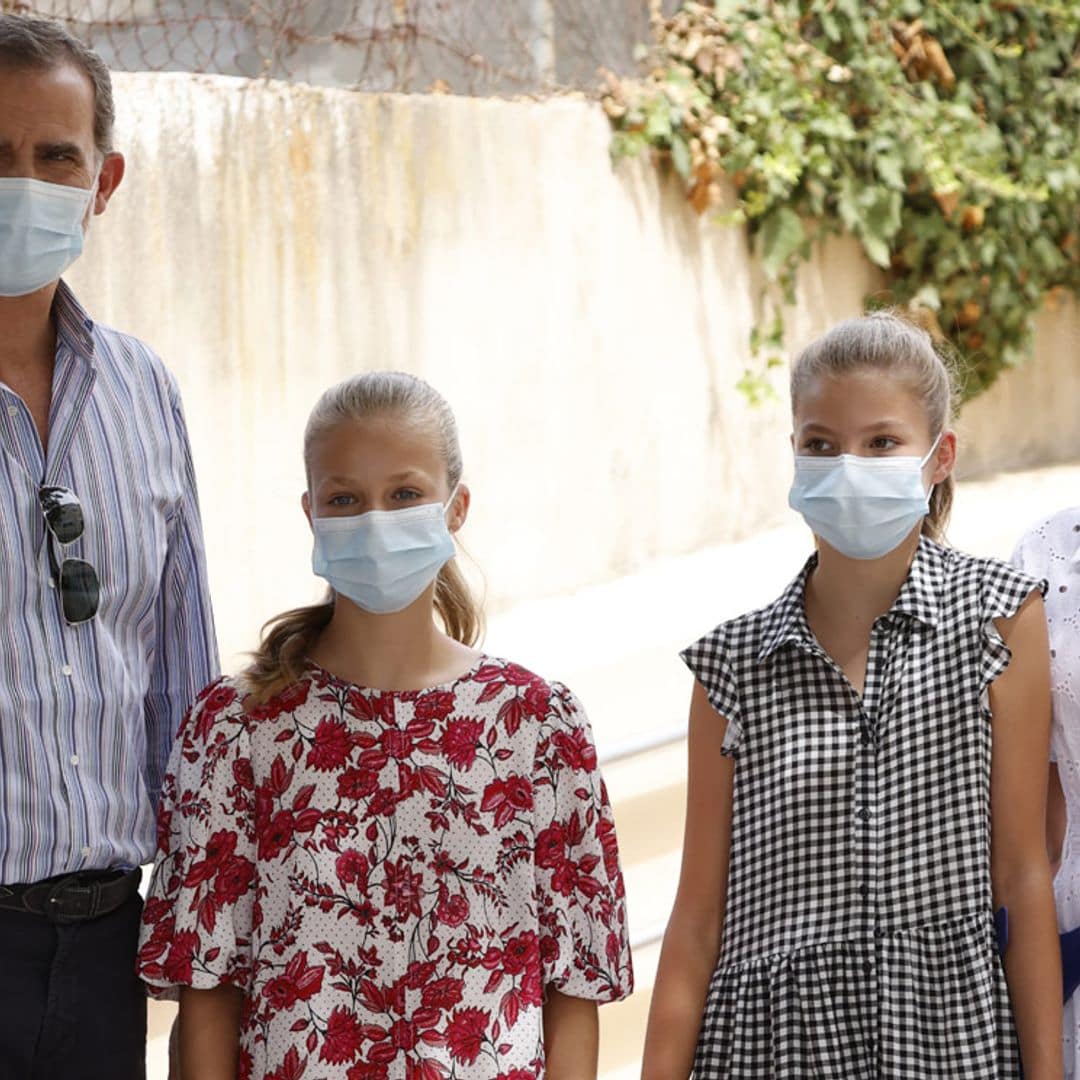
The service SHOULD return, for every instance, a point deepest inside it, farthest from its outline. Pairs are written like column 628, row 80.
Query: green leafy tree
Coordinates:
column 943, row 134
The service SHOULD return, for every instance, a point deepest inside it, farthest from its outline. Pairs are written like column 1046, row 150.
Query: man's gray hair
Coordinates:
column 29, row 41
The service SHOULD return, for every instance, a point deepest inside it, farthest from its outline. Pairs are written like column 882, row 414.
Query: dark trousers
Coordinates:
column 71, row 1007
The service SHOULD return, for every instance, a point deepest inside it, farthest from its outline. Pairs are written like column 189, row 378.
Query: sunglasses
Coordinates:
column 80, row 590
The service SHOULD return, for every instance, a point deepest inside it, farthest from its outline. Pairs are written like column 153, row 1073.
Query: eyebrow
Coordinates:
column 62, row 146
column 407, row 474
column 878, row 425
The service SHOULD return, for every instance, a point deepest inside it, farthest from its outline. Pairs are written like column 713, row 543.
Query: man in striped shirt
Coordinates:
column 105, row 625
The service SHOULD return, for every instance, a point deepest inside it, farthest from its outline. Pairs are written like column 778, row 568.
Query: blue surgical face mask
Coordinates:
column 864, row 507
column 41, row 231
column 384, row 559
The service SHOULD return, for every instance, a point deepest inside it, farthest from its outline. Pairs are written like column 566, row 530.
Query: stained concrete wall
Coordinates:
column 587, row 328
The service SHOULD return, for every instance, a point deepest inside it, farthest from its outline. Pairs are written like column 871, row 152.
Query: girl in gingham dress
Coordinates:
column 383, row 854
column 867, row 777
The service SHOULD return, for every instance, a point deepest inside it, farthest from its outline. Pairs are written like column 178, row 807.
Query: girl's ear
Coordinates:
column 459, row 508
column 305, row 502
column 944, row 460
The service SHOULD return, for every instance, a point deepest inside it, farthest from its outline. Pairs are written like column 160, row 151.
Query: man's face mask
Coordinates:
column 41, row 231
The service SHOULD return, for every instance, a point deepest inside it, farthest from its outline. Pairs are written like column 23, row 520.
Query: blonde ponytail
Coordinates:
column 457, row 607
column 286, row 640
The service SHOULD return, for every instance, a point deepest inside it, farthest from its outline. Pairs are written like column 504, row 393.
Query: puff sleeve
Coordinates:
column 581, row 899
column 201, row 905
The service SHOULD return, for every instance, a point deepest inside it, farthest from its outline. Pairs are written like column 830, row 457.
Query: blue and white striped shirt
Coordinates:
column 88, row 712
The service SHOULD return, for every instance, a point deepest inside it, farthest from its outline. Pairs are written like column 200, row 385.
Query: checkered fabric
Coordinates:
column 858, row 937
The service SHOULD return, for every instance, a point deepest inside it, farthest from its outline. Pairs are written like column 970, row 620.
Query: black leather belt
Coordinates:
column 73, row 898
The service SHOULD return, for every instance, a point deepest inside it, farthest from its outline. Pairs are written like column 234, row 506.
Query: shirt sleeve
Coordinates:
column 185, row 648
column 201, row 907
column 581, row 898
column 708, row 661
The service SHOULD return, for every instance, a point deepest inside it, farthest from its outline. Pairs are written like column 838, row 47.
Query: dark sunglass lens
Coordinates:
column 63, row 513
column 79, row 590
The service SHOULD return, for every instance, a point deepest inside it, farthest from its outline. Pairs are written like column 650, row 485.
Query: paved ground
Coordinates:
column 617, row 645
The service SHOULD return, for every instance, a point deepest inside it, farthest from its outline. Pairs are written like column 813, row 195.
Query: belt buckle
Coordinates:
column 65, row 889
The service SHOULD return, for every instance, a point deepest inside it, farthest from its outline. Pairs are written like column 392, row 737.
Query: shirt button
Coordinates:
column 74, row 759
column 52, row 584
column 67, row 669
column 864, row 891
column 868, row 967
column 13, row 410
column 87, row 852
column 864, row 814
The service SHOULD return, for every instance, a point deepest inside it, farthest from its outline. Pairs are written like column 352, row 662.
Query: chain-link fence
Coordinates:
column 458, row 46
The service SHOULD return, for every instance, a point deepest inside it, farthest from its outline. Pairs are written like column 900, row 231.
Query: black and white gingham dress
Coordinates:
column 858, row 937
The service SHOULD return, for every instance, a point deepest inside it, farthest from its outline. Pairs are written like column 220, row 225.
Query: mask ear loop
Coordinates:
column 450, row 501
column 929, row 454
column 933, row 449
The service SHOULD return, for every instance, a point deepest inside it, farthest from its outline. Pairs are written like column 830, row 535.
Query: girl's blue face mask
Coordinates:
column 864, row 507
column 383, row 560
column 41, row 231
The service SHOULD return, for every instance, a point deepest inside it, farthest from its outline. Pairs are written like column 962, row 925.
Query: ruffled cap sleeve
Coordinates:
column 707, row 659
column 1004, row 590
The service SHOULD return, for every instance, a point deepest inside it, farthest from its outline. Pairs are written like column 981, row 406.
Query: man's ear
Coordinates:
column 112, row 172
column 305, row 502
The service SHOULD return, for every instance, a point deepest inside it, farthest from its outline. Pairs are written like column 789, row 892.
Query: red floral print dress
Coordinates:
column 394, row 879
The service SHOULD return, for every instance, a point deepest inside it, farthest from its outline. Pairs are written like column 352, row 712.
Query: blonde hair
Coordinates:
column 887, row 342
column 287, row 638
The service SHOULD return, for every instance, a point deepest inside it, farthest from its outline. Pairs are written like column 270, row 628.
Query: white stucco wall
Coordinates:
column 587, row 328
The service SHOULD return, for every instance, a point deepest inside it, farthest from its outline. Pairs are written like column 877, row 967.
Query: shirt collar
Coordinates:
column 73, row 326
column 919, row 599
column 920, row 595
column 785, row 617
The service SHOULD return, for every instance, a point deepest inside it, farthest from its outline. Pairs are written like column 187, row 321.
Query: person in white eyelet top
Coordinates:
column 1051, row 550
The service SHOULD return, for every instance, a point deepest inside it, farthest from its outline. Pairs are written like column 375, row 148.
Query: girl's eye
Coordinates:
column 816, row 446
column 406, row 495
column 341, row 500
column 884, row 442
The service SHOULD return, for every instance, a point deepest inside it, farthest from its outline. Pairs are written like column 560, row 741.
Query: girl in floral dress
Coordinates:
column 382, row 853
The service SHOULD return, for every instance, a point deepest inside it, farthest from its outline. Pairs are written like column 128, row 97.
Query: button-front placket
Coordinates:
column 866, row 826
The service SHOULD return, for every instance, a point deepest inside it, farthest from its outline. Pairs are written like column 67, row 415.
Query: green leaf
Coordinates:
column 756, row 387
column 780, row 237
column 680, row 156
column 890, row 167
column 658, row 119
column 876, row 250
column 627, row 144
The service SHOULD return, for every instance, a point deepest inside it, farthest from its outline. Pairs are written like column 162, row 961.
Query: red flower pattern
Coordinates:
column 361, row 865
column 466, row 1032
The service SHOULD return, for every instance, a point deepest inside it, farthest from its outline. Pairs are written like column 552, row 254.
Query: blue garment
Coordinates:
column 88, row 712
